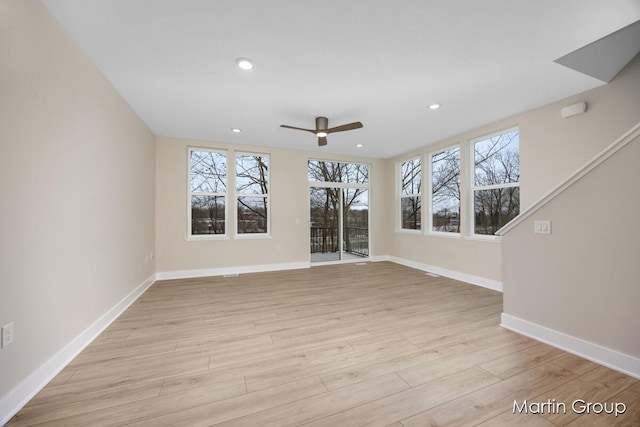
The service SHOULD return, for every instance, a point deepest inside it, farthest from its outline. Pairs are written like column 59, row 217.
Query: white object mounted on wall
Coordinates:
column 574, row 110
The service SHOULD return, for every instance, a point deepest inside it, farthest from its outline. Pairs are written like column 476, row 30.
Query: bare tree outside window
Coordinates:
column 410, row 196
column 207, row 191
column 350, row 173
column 252, row 193
column 356, row 221
column 496, row 192
column 327, row 171
column 445, row 191
column 324, row 218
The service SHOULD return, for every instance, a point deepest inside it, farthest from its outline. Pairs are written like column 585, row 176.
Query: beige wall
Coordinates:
column 77, row 190
column 289, row 186
column 551, row 149
column 584, row 278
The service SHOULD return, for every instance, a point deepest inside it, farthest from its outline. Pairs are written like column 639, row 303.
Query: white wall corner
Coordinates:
column 21, row 394
column 620, row 362
column 494, row 285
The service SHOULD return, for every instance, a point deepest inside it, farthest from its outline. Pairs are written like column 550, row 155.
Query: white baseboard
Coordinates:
column 20, row 395
column 624, row 363
column 494, row 285
column 205, row 272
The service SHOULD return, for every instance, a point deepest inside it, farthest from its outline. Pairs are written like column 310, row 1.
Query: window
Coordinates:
column 410, row 199
column 207, row 192
column 327, row 171
column 252, row 193
column 496, row 177
column 445, row 191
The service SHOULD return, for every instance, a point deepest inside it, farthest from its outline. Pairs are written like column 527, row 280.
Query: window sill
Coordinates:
column 456, row 236
column 207, row 237
column 252, row 236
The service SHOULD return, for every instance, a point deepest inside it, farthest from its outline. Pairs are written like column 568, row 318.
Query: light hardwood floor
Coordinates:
column 347, row 345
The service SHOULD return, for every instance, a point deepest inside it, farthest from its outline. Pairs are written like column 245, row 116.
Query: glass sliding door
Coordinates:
column 324, row 224
column 339, row 211
column 355, row 223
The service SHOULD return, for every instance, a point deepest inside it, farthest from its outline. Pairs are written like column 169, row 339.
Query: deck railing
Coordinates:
column 326, row 240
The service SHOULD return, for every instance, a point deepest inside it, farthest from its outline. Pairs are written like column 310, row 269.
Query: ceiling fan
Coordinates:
column 322, row 129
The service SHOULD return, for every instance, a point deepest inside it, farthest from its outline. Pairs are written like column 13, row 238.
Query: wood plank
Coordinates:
column 282, row 375
column 313, row 408
column 630, row 418
column 239, row 406
column 362, row 370
column 575, row 364
column 123, row 413
column 493, row 400
column 514, row 363
column 597, row 385
column 41, row 411
column 510, row 419
column 398, row 406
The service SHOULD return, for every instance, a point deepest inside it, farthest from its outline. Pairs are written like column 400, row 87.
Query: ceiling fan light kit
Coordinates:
column 322, row 129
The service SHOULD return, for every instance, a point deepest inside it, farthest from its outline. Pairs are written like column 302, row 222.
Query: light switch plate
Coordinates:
column 542, row 227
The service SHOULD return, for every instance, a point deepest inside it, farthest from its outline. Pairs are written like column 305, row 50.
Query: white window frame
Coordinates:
column 190, row 193
column 473, row 188
column 401, row 196
column 431, row 231
column 237, row 195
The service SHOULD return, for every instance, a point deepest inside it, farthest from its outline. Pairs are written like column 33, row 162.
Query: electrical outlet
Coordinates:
column 7, row 334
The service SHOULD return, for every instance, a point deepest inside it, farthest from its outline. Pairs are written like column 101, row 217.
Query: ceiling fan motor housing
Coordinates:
column 322, row 123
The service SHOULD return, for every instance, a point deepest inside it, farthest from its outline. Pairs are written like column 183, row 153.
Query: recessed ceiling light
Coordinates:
column 236, row 130
column 244, row 63
column 359, row 145
column 434, row 106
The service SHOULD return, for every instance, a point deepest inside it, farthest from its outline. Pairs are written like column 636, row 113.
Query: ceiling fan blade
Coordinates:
column 322, row 140
column 342, row 128
column 293, row 127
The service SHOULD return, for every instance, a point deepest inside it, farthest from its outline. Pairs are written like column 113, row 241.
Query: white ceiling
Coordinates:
column 381, row 62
